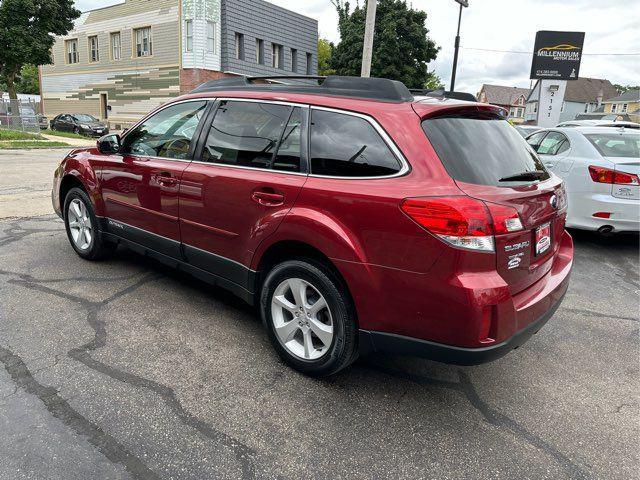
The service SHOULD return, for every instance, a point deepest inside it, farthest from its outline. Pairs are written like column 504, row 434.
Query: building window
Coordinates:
column 94, row 53
column 116, row 46
column 624, row 107
column 260, row 51
column 613, row 107
column 188, row 32
column 71, row 47
column 144, row 47
column 211, row 36
column 239, row 46
column 294, row 60
column 277, row 55
column 519, row 112
column 535, row 107
column 309, row 64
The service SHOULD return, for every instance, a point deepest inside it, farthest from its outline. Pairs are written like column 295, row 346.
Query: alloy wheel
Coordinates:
column 80, row 224
column 302, row 319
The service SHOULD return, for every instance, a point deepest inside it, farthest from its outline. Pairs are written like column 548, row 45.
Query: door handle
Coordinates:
column 549, row 165
column 165, row 178
column 267, row 199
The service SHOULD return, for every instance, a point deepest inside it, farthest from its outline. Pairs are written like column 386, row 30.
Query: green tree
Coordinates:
column 433, row 82
column 623, row 88
column 27, row 33
column 401, row 46
column 325, row 52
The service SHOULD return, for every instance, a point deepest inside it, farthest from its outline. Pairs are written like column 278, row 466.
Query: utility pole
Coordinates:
column 463, row 3
column 369, row 28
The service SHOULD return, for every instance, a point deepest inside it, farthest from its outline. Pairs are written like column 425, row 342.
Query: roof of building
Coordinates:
column 631, row 95
column 503, row 95
column 587, row 90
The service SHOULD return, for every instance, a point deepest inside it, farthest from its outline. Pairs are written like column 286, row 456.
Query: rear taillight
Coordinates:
column 462, row 221
column 606, row 175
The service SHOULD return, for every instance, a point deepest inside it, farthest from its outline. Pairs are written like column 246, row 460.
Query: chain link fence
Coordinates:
column 21, row 115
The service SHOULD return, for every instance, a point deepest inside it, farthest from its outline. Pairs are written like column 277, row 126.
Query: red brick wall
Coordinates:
column 190, row 78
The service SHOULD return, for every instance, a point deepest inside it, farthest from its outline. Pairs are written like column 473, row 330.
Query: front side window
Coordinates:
column 167, row 134
column 144, row 47
column 553, row 144
column 344, row 145
column 72, row 51
column 483, row 150
column 116, row 46
column 211, row 37
column 188, row 33
column 250, row 134
column 94, row 53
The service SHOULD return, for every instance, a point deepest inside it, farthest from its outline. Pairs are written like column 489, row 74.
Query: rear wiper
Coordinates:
column 531, row 175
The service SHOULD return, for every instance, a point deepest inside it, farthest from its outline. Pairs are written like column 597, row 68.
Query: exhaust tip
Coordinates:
column 605, row 230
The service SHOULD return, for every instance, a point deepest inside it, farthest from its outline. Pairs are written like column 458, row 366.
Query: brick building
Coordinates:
column 121, row 61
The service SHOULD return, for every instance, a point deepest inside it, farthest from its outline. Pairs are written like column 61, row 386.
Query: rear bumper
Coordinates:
column 397, row 344
column 624, row 213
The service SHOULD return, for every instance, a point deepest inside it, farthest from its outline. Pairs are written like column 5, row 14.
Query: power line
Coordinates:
column 531, row 53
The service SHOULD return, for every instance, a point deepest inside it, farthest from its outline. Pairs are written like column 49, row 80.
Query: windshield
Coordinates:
column 616, row 144
column 482, row 151
column 83, row 117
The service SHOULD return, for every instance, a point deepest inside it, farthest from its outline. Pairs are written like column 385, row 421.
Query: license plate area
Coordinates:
column 542, row 240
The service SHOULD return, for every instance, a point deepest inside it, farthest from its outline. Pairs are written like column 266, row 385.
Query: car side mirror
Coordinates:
column 109, row 144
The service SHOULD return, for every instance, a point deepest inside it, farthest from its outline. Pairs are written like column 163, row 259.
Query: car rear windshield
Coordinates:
column 482, row 150
column 616, row 144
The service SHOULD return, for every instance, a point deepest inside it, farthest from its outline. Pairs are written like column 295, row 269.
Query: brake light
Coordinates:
column 505, row 219
column 462, row 221
column 606, row 175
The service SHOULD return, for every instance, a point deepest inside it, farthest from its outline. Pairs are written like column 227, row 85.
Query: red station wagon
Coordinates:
column 357, row 217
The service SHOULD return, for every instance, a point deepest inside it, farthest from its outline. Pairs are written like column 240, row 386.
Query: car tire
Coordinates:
column 314, row 339
column 83, row 230
column 76, row 130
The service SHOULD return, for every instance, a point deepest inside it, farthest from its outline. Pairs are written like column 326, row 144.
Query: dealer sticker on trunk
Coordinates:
column 543, row 238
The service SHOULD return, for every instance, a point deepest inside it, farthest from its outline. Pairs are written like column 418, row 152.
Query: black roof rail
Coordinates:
column 441, row 93
column 381, row 89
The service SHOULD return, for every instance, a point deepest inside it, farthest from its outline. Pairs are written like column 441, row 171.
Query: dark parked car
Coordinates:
column 80, row 123
column 357, row 217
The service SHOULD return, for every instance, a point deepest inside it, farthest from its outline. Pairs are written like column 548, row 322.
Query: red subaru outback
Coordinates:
column 357, row 217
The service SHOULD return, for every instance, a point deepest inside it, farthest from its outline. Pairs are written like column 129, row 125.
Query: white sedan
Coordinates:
column 601, row 168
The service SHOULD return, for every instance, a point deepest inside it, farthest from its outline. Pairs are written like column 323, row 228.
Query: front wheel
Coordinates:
column 309, row 318
column 82, row 227
column 76, row 130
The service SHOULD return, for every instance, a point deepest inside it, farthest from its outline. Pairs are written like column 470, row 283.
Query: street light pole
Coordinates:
column 369, row 28
column 463, row 3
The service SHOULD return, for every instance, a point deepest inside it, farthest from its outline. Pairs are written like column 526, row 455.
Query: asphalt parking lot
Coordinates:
column 125, row 369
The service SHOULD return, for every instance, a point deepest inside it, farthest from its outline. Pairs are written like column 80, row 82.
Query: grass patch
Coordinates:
column 56, row 133
column 6, row 134
column 22, row 144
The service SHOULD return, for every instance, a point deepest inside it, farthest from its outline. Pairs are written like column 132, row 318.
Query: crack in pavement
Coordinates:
column 243, row 453
column 491, row 415
column 592, row 313
column 60, row 409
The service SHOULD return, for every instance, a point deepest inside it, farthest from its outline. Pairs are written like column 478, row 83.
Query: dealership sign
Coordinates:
column 557, row 55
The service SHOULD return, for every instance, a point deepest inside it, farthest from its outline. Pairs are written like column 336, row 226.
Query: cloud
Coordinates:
column 611, row 27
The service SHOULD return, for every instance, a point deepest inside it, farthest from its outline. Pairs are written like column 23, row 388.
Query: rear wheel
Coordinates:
column 309, row 318
column 82, row 227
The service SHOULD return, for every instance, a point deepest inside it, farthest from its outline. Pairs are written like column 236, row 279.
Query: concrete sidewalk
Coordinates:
column 73, row 142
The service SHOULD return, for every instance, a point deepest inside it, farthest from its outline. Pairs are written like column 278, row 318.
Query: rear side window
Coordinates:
column 615, row 144
column 344, row 145
column 481, row 151
column 249, row 134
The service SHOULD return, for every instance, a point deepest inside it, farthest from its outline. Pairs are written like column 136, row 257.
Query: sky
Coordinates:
column 611, row 26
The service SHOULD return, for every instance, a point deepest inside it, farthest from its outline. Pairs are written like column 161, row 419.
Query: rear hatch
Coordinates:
column 490, row 161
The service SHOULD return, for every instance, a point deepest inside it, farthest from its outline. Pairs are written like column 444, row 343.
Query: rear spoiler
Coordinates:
column 441, row 93
column 459, row 110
